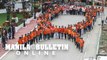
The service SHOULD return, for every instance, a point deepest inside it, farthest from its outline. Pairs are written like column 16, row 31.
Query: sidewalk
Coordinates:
column 22, row 31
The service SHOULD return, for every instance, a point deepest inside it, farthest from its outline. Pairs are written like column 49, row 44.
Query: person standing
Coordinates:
column 69, row 34
column 5, row 34
column 48, row 33
column 81, row 43
column 62, row 32
column 13, row 31
column 10, row 32
column 77, row 42
column 59, row 30
column 65, row 32
column 40, row 34
column 52, row 31
column 56, row 32
column 25, row 40
column 3, row 41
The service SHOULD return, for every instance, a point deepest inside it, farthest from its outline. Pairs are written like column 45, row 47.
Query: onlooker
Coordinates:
column 3, row 41
column 13, row 32
column 10, row 32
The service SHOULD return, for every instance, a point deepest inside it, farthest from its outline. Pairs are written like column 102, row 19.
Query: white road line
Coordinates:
column 7, row 52
column 4, row 54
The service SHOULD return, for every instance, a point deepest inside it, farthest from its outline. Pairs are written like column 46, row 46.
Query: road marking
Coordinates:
column 4, row 54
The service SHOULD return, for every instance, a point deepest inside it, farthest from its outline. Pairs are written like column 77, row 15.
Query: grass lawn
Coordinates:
column 3, row 17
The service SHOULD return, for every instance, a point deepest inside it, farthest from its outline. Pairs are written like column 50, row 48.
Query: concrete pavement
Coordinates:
column 90, row 49
column 73, row 53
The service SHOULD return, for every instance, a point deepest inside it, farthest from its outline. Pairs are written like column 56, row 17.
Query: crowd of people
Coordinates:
column 7, row 34
column 46, row 31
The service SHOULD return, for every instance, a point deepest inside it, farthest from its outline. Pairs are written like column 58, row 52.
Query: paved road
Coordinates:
column 90, row 49
column 21, row 31
column 73, row 53
column 67, row 19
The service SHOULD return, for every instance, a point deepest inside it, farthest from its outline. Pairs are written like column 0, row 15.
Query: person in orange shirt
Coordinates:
column 77, row 42
column 48, row 30
column 70, row 27
column 91, row 24
column 35, row 35
column 47, row 15
column 82, row 28
column 85, row 27
column 25, row 40
column 77, row 28
column 62, row 32
column 66, row 32
column 59, row 32
column 31, row 38
column 52, row 31
column 81, row 43
column 56, row 32
column 40, row 31
column 75, row 35
column 72, row 32
column 20, row 40
column 72, row 37
column 69, row 34
column 44, row 34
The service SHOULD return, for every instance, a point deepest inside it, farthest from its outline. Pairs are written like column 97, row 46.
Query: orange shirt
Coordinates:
column 59, row 30
column 87, row 23
column 52, row 30
column 31, row 36
column 75, row 34
column 77, row 39
column 38, row 32
column 69, row 31
column 56, row 29
column 35, row 34
column 45, row 32
column 77, row 27
column 48, row 31
column 65, row 30
column 25, row 39
column 62, row 30
column 20, row 41
column 81, row 43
